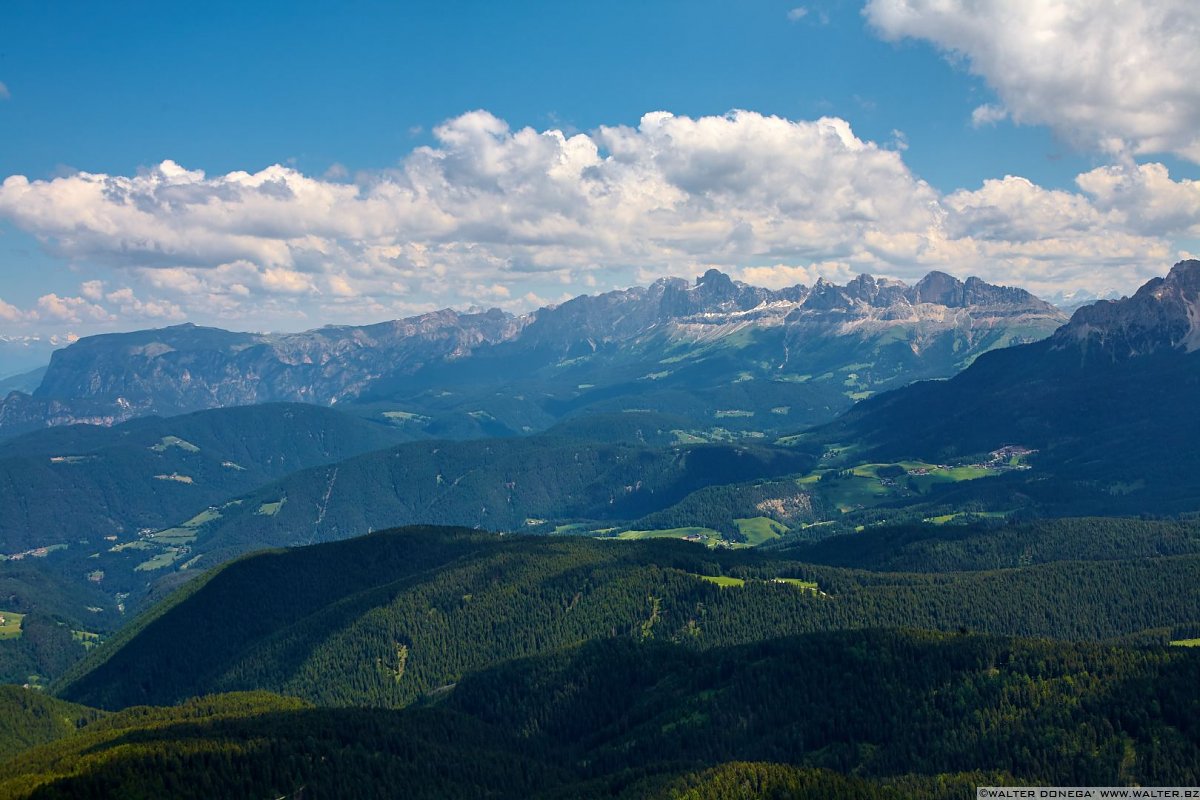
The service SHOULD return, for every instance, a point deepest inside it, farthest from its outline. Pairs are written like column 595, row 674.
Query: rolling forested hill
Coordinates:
column 389, row 618
column 906, row 714
column 85, row 481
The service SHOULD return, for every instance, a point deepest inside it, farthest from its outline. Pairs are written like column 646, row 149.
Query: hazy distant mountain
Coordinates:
column 20, row 354
column 22, row 382
column 1071, row 300
column 716, row 350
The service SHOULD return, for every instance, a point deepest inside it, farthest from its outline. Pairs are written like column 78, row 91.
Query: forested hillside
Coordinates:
column 907, row 714
column 500, row 485
column 78, row 482
column 389, row 618
column 1107, row 402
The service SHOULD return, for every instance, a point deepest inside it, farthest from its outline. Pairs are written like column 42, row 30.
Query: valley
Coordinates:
column 391, row 569
column 623, row 401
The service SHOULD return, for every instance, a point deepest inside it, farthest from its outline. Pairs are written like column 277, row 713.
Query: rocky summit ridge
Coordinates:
column 183, row 368
column 1163, row 315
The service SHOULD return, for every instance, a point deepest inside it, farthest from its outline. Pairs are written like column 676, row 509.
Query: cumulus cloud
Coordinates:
column 489, row 215
column 1145, row 199
column 780, row 276
column 796, row 14
column 490, row 202
column 1105, row 74
column 131, row 306
column 94, row 306
column 70, row 309
column 93, row 290
column 10, row 313
column 4, row 93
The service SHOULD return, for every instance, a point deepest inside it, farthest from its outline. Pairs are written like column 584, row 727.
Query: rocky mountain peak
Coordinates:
column 1163, row 315
column 716, row 281
column 938, row 288
column 946, row 290
column 1185, row 276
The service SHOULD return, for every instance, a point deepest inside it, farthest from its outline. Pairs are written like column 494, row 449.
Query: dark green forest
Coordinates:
column 385, row 619
column 866, row 714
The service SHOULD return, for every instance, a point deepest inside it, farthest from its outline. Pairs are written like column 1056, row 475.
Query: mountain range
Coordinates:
column 663, row 586
column 140, row 504
column 724, row 353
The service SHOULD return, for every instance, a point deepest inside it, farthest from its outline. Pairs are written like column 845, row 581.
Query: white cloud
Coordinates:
column 71, row 309
column 491, row 215
column 92, row 290
column 10, row 313
column 132, row 308
column 987, row 114
column 781, row 276
column 5, row 94
column 286, row 281
column 796, row 14
column 490, row 203
column 339, row 286
column 1110, row 75
column 1143, row 198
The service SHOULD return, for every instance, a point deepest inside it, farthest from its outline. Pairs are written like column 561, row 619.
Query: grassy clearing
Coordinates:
column 806, row 585
column 185, row 533
column 939, row 475
column 1186, row 643
column 671, row 533
column 759, row 530
column 86, row 638
column 10, row 625
column 966, row 516
column 174, row 539
column 722, row 581
column 136, row 544
column 872, row 470
column 404, row 416
column 271, row 509
column 868, row 485
column 850, row 494
column 727, row 583
column 164, row 559
column 167, row 442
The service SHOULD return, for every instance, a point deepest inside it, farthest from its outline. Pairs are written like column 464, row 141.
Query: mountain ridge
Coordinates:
column 111, row 377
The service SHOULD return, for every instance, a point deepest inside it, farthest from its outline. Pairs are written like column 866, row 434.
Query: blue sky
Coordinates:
column 402, row 181
column 225, row 86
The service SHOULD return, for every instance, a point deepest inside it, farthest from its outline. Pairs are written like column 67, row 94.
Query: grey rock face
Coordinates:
column 186, row 368
column 1162, row 315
